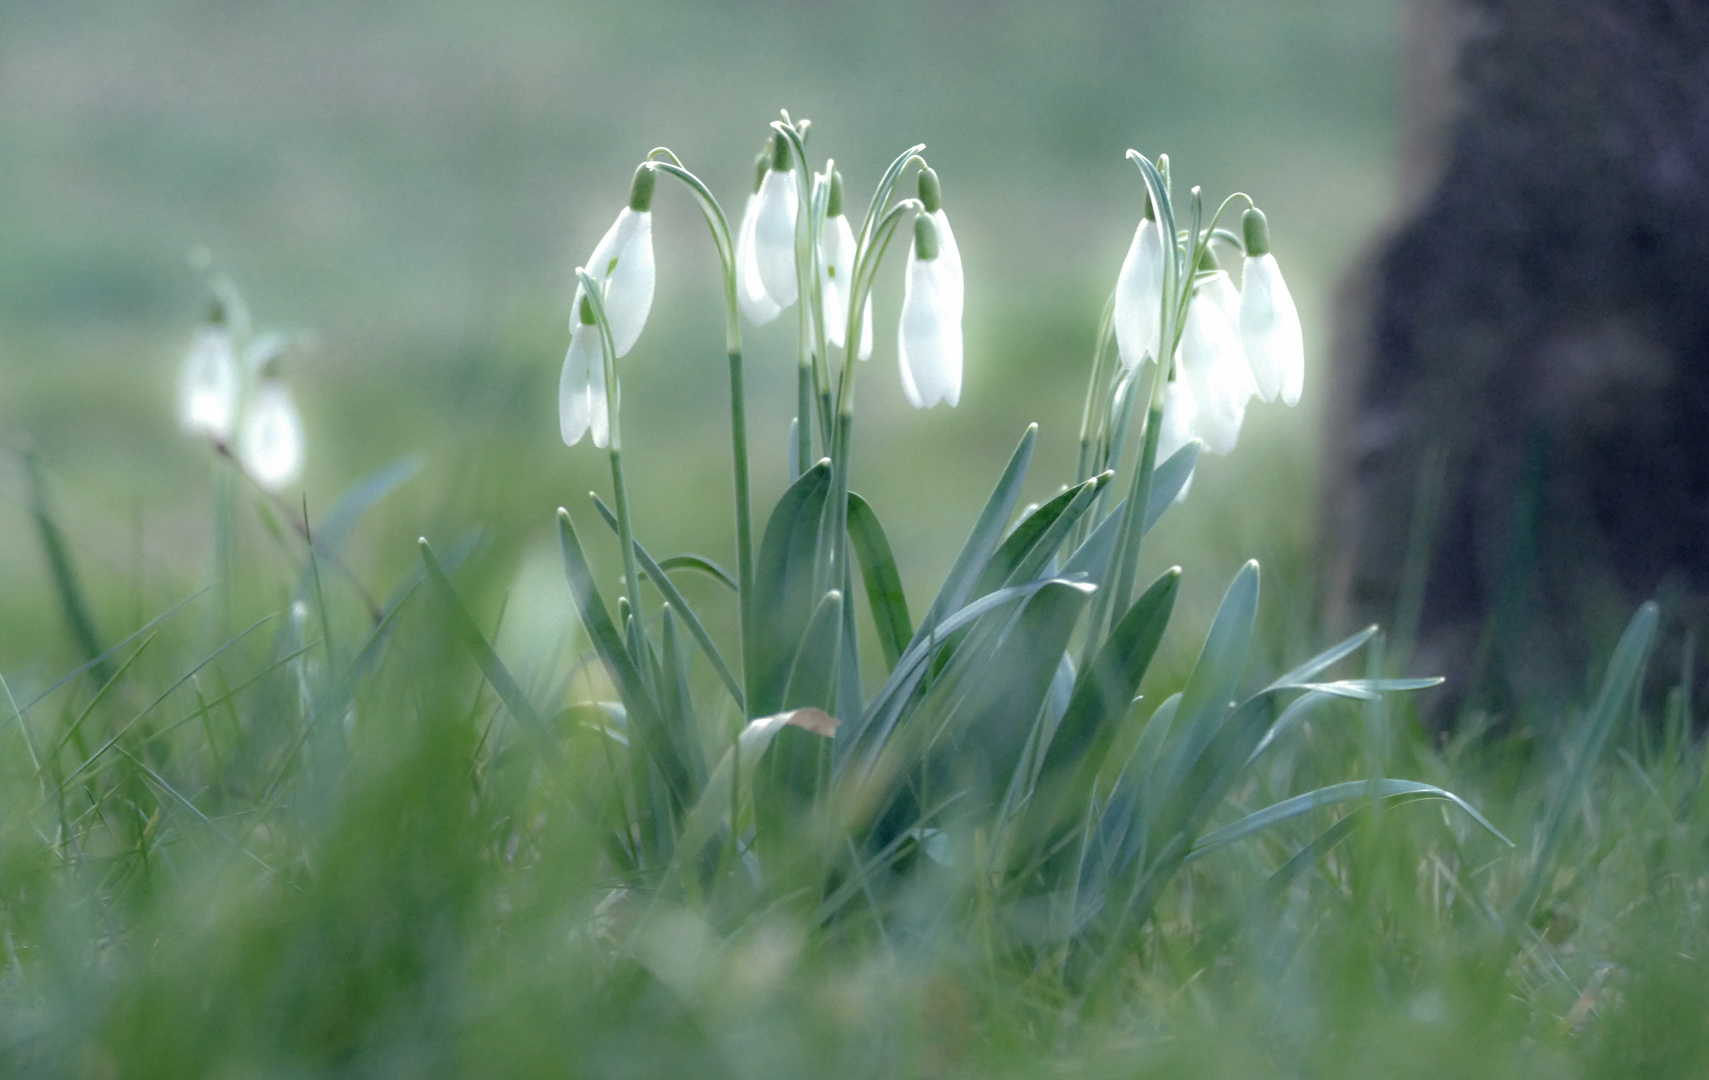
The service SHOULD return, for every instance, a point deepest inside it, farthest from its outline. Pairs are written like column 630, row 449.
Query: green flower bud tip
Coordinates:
column 931, row 192
column 834, row 201
column 762, row 165
column 641, row 189
column 1257, row 230
column 925, row 237
column 1150, row 211
column 587, row 312
column 270, row 369
column 781, row 159
column 1207, row 261
column 216, row 312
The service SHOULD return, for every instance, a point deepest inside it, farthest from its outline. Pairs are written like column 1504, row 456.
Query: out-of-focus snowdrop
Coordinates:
column 1269, row 322
column 1139, row 294
column 270, row 441
column 209, row 384
column 1214, row 365
column 581, row 384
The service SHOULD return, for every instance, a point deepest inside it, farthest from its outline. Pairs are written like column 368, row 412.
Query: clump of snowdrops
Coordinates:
column 996, row 747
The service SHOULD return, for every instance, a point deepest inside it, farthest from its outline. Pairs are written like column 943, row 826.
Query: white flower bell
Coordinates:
column 774, row 227
column 271, row 442
column 928, row 338
column 581, row 385
column 837, row 255
column 1180, row 419
column 1269, row 322
column 209, row 384
column 931, row 197
column 622, row 262
column 750, row 290
column 1139, row 294
column 1214, row 365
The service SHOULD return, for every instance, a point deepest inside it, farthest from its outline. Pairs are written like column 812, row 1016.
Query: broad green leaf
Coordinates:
column 359, row 498
column 1332, row 795
column 1101, row 697
column 656, row 574
column 646, row 725
column 813, row 673
column 883, row 582
column 704, row 565
column 1209, row 693
column 784, row 597
column 982, row 541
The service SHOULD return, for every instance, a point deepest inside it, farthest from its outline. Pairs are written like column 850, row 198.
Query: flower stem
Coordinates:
column 744, row 511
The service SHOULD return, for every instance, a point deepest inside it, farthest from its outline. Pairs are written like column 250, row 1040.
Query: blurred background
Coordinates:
column 415, row 182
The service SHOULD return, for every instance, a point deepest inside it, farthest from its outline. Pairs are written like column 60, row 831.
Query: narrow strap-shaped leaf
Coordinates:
column 1210, row 689
column 656, row 574
column 704, row 565
column 486, row 658
column 1332, row 795
column 1102, row 695
column 784, row 599
column 359, row 498
column 983, row 540
column 1092, row 557
column 883, row 582
column 813, row 674
column 644, row 720
column 1317, row 664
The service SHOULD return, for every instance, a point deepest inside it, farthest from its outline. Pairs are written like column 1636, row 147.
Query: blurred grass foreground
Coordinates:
column 284, row 795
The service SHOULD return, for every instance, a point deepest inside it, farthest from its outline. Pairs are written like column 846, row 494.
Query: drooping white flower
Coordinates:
column 837, row 251
column 931, row 197
column 774, row 228
column 622, row 262
column 1180, row 419
column 581, row 387
column 1269, row 322
column 1138, row 310
column 270, row 444
column 750, row 290
column 928, row 338
column 209, row 383
column 1214, row 366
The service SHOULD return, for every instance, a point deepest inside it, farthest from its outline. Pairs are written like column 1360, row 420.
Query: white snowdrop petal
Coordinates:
column 271, row 442
column 837, row 265
column 1139, row 296
column 629, row 288
column 750, row 290
column 1270, row 331
column 928, row 340
column 865, row 352
column 208, row 385
column 581, row 389
column 1214, row 366
column 949, row 253
column 1180, row 415
column 774, row 237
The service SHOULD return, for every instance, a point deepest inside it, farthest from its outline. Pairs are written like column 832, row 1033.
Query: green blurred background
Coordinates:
column 415, row 182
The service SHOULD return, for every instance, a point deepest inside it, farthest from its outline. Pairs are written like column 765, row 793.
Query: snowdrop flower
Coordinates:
column 837, row 255
column 931, row 197
column 271, row 442
column 1269, row 322
column 208, row 385
column 750, row 290
column 1139, row 294
column 1180, row 418
column 928, row 339
column 622, row 262
column 1214, row 365
column 581, row 385
column 774, row 227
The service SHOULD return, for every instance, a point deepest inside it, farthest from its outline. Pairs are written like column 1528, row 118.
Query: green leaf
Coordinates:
column 1092, row 557
column 1317, row 664
column 646, row 725
column 883, row 582
column 1332, row 795
column 784, row 597
column 704, row 565
column 469, row 635
column 656, row 574
column 1102, row 696
column 813, row 673
column 359, row 498
column 1589, row 736
column 1209, row 693
column 1028, row 547
column 983, row 540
